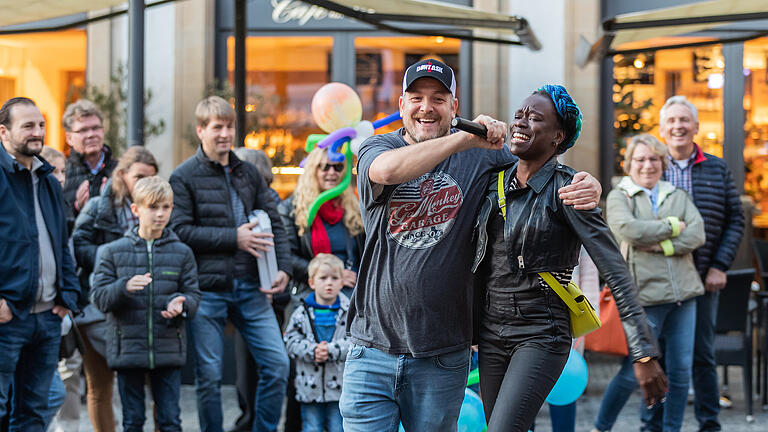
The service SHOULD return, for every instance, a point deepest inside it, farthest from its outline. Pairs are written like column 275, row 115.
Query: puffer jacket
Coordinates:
column 301, row 247
column 78, row 171
column 669, row 276
column 95, row 225
column 543, row 234
column 19, row 246
column 203, row 217
column 317, row 382
column 717, row 199
column 138, row 335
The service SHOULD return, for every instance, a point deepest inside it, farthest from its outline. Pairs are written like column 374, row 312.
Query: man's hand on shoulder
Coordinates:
column 583, row 193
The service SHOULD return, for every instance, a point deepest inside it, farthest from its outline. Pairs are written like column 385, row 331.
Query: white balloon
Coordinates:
column 364, row 131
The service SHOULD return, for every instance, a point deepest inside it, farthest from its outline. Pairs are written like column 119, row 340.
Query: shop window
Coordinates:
column 643, row 82
column 756, row 127
column 43, row 67
column 282, row 75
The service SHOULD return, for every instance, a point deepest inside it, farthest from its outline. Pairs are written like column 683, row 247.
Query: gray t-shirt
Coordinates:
column 413, row 292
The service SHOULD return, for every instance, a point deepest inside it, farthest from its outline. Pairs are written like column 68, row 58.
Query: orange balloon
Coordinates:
column 336, row 105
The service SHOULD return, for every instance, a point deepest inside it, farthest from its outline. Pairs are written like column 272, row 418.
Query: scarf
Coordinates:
column 330, row 213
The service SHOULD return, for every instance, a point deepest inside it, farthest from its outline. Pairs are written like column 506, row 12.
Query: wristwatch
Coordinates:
column 645, row 359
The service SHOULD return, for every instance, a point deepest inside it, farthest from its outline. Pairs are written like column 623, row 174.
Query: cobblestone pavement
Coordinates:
column 601, row 370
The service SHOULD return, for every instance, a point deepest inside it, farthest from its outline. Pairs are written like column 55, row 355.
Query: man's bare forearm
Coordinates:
column 409, row 162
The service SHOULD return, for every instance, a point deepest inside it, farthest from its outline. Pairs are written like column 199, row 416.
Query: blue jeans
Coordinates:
column 381, row 390
column 56, row 396
column 29, row 353
column 321, row 416
column 165, row 384
column 675, row 324
column 251, row 313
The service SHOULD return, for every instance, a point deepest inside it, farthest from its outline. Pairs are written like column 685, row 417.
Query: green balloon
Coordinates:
column 334, row 191
column 312, row 141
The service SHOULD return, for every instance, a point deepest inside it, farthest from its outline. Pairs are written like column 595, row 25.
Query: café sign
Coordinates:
column 296, row 11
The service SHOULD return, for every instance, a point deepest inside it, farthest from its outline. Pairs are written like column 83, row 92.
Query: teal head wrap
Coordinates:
column 568, row 112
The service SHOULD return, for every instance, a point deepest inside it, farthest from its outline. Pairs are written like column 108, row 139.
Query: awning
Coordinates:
column 24, row 11
column 35, row 16
column 703, row 23
column 385, row 14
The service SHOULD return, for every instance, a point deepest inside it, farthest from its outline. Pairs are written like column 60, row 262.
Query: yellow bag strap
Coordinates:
column 502, row 196
column 561, row 292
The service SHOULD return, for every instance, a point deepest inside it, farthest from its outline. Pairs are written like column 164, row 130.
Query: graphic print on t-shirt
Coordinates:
column 423, row 210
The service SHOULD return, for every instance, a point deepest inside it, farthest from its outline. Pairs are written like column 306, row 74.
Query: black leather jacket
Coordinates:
column 542, row 234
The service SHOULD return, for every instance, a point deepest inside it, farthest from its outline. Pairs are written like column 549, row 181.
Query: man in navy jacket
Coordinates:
column 709, row 182
column 38, row 285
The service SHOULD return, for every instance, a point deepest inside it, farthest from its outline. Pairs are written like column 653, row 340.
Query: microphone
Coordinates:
column 469, row 126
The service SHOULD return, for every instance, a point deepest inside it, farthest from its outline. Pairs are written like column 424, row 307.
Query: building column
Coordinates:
column 733, row 112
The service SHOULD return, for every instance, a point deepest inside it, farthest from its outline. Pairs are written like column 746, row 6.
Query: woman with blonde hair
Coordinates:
column 659, row 227
column 104, row 219
column 337, row 228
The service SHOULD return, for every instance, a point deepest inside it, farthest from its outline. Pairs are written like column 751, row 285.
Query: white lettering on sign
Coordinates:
column 284, row 11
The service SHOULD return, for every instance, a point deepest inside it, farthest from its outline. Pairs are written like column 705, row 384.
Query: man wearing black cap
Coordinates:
column 420, row 188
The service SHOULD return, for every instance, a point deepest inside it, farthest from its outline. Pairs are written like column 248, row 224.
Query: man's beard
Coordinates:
column 26, row 150
column 441, row 132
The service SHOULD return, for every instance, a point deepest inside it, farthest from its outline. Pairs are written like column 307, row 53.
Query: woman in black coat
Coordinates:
column 524, row 231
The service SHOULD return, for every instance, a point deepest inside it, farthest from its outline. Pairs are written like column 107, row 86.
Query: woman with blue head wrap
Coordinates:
column 524, row 231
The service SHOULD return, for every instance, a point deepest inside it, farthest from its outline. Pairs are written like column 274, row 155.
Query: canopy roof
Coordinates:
column 385, row 14
column 701, row 23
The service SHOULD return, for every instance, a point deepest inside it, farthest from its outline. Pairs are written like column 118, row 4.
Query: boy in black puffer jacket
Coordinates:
column 146, row 282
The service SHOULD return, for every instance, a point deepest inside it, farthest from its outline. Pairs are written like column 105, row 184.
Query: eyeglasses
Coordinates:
column 88, row 129
column 338, row 167
column 641, row 160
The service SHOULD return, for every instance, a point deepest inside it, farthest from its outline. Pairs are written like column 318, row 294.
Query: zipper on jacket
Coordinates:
column 520, row 261
column 675, row 288
column 150, row 246
column 119, row 336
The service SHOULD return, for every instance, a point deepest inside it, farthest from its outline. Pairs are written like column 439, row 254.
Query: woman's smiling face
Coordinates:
column 535, row 130
column 329, row 174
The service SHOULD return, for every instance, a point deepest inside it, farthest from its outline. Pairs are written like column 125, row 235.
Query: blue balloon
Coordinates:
column 572, row 381
column 471, row 417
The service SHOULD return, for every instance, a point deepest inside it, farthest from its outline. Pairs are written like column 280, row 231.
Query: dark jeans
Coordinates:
column 524, row 345
column 29, row 353
column 165, row 384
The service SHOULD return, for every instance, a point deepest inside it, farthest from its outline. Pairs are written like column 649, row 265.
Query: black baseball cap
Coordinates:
column 430, row 68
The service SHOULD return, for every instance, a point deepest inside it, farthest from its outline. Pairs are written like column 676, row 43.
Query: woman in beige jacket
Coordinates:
column 658, row 227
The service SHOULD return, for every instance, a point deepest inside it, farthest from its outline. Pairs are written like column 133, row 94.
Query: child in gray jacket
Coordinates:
column 316, row 338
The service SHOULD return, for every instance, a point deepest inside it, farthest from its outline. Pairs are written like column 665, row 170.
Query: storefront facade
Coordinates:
column 292, row 49
column 726, row 82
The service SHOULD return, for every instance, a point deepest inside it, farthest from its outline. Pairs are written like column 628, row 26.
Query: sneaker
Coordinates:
column 725, row 401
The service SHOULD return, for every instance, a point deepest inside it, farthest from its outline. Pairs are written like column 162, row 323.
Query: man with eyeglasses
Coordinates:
column 90, row 161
